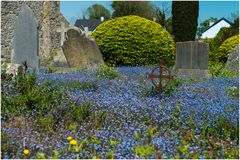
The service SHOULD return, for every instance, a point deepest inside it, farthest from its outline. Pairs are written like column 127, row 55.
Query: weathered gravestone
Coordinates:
column 81, row 51
column 233, row 60
column 26, row 46
column 192, row 59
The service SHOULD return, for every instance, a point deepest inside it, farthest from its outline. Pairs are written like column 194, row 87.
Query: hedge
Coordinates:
column 226, row 48
column 133, row 40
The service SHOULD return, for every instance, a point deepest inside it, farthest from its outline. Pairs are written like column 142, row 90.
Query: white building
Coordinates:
column 212, row 31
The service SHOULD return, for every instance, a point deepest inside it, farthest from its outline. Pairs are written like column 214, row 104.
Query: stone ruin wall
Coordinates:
column 49, row 18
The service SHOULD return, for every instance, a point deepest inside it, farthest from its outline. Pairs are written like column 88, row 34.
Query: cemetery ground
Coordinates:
column 115, row 113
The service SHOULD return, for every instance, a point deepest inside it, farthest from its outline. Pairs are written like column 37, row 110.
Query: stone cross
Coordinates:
column 26, row 40
column 62, row 30
column 86, row 31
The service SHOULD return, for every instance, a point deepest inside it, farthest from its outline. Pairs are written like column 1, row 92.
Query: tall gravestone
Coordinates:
column 26, row 43
column 192, row 59
column 81, row 51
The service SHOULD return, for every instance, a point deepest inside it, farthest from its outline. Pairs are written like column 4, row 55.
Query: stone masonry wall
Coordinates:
column 48, row 16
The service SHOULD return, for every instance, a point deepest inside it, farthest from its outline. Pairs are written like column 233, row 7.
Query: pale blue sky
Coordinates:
column 73, row 10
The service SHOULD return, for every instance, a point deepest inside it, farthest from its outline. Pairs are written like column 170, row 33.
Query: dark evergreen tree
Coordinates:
column 185, row 20
column 235, row 26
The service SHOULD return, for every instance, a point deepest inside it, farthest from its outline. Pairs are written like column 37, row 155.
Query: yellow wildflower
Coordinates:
column 73, row 142
column 69, row 138
column 26, row 151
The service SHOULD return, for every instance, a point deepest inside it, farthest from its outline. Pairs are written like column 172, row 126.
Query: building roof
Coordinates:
column 205, row 29
column 91, row 23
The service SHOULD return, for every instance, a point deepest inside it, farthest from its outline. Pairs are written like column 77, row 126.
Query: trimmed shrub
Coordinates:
column 226, row 48
column 216, row 42
column 133, row 40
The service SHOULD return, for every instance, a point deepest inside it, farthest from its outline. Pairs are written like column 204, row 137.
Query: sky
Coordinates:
column 73, row 10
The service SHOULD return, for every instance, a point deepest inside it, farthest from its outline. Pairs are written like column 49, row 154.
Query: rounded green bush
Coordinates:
column 216, row 42
column 226, row 48
column 221, row 36
column 133, row 40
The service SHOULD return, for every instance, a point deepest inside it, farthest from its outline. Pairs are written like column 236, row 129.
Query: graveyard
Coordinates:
column 121, row 92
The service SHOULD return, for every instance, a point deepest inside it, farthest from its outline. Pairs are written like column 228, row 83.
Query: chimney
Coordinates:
column 102, row 19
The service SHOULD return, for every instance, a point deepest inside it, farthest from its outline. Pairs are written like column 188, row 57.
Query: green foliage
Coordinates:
column 132, row 40
column 233, row 92
column 41, row 155
column 113, row 143
column 235, row 25
column 205, row 25
column 110, row 155
column 98, row 118
column 25, row 82
column 211, row 138
column 79, row 112
column 226, row 48
column 150, row 91
column 76, row 85
column 185, row 20
column 219, row 70
column 145, row 151
column 56, row 154
column 28, row 96
column 46, row 122
column 139, row 8
column 163, row 16
column 50, row 69
column 106, row 71
column 72, row 127
column 168, row 90
column 207, row 22
column 93, row 139
column 97, row 11
column 7, row 147
column 183, row 148
column 137, row 135
column 216, row 42
column 150, row 132
column 221, row 36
